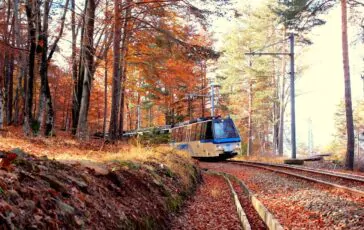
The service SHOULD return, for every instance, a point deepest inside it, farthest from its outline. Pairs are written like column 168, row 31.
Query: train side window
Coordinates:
column 203, row 130
column 178, row 134
column 173, row 135
column 181, row 134
column 188, row 133
column 193, row 132
column 184, row 133
column 208, row 133
column 198, row 131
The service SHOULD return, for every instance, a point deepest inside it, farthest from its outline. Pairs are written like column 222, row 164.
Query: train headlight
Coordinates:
column 238, row 146
column 219, row 147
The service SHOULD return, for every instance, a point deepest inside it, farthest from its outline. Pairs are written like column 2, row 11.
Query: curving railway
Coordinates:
column 299, row 197
column 353, row 184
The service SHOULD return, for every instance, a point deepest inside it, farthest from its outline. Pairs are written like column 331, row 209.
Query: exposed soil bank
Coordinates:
column 39, row 193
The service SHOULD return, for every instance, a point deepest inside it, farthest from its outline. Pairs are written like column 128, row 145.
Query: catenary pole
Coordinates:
column 292, row 85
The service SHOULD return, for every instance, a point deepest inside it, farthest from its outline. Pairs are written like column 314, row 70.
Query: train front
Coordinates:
column 226, row 138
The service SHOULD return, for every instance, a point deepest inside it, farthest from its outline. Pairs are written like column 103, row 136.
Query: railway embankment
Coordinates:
column 41, row 193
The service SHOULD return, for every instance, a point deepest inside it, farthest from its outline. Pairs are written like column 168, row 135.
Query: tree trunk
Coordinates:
column 9, row 89
column 88, row 66
column 29, row 80
column 49, row 123
column 1, row 108
column 2, row 70
column 275, row 109
column 250, row 120
column 22, row 61
column 203, row 79
column 282, row 102
column 281, row 116
column 116, row 87
column 105, row 95
column 349, row 163
column 124, row 54
column 41, row 109
column 45, row 93
column 77, row 78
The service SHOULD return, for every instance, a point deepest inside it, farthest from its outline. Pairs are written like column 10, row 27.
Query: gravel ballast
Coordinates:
column 297, row 203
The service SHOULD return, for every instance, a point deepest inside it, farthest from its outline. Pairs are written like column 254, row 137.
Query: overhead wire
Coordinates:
column 270, row 45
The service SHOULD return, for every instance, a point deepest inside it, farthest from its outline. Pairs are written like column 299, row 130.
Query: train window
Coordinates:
column 208, row 133
column 224, row 129
column 187, row 133
column 203, row 130
column 173, row 134
column 179, row 134
column 184, row 133
column 194, row 132
column 198, row 131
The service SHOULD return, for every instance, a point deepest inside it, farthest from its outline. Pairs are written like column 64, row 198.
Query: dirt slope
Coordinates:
column 39, row 193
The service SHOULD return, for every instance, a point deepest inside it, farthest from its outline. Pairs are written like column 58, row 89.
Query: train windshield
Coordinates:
column 224, row 129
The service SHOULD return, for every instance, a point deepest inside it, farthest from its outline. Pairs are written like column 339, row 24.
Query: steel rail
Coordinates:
column 352, row 191
column 346, row 176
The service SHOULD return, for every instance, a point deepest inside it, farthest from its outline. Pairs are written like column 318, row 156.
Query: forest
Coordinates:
column 180, row 114
column 100, row 67
column 60, row 71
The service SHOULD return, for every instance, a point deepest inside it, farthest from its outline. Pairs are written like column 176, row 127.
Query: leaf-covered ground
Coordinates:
column 299, row 204
column 212, row 207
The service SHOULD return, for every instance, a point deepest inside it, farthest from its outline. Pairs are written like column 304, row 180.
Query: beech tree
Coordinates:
column 116, row 86
column 87, row 60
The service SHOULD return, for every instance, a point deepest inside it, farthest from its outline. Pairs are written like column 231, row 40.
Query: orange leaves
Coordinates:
column 6, row 159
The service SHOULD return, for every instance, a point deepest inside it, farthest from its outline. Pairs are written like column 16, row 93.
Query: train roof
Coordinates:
column 201, row 119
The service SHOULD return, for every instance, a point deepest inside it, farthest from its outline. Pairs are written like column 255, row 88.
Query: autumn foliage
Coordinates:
column 58, row 64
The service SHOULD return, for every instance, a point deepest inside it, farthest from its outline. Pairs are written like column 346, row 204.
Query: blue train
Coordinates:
column 207, row 138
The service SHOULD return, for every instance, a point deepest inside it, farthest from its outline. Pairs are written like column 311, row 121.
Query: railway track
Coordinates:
column 251, row 212
column 341, row 181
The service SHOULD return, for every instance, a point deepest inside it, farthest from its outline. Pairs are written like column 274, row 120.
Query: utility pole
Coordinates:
column 292, row 91
column 250, row 111
column 293, row 108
